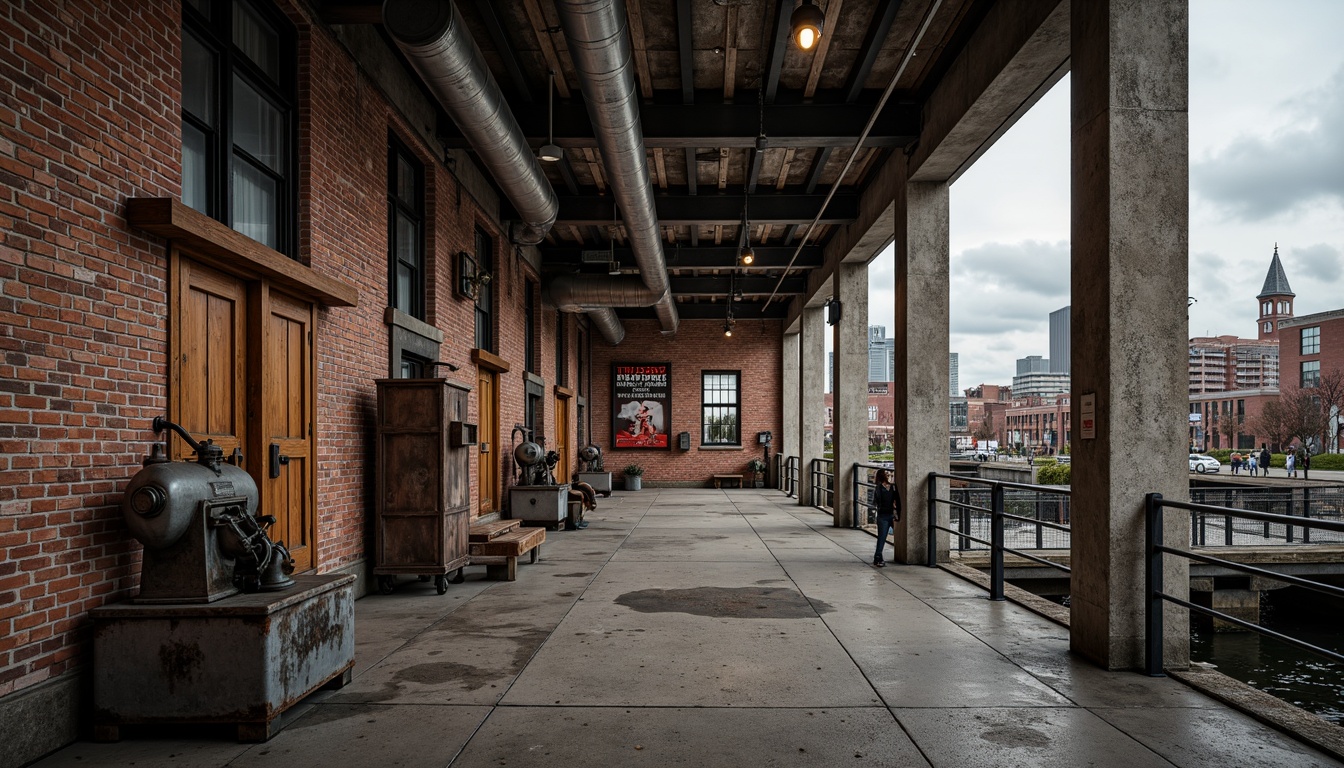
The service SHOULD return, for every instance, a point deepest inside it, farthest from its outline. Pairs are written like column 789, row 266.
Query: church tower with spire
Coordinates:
column 1276, row 299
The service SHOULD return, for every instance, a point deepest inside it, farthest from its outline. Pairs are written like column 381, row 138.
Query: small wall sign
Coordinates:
column 1087, row 415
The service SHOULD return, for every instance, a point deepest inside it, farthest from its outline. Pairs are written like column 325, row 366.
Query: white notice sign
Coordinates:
column 1088, row 415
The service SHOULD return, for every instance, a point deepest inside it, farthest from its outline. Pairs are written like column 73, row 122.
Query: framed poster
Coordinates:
column 641, row 405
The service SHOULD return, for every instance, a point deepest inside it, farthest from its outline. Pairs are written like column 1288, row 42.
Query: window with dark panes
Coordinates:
column 485, row 297
column 238, row 118
column 719, row 408
column 581, row 374
column 1311, row 340
column 1311, row 373
column 405, row 231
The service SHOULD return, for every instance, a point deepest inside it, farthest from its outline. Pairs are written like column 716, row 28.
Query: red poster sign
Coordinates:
column 641, row 405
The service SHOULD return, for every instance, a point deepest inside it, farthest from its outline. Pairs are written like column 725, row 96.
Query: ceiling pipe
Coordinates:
column 439, row 46
column 606, row 322
column 599, row 44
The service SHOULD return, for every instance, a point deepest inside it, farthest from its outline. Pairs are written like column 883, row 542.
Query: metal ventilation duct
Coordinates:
column 599, row 44
column 436, row 41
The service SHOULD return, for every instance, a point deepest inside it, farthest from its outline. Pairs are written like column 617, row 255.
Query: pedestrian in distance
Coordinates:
column 1254, row 463
column 1290, row 464
column 1264, row 459
column 1236, row 463
column 887, row 502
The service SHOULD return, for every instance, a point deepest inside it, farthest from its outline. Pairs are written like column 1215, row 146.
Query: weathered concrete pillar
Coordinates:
column 922, row 401
column 849, row 413
column 788, row 442
column 1130, row 250
column 811, row 398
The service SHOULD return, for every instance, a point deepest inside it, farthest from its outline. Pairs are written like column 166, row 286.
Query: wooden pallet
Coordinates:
column 500, row 554
column 492, row 530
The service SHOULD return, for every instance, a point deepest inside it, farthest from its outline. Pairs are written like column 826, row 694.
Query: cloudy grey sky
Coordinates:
column 1266, row 166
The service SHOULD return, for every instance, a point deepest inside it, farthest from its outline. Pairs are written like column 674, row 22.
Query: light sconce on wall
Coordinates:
column 832, row 311
column 470, row 277
column 806, row 22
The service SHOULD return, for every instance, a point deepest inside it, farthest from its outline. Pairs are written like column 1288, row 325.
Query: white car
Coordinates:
column 1202, row 464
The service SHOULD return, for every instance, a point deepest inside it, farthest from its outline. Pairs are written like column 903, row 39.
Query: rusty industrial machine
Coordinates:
column 537, row 497
column 591, row 470
column 198, row 521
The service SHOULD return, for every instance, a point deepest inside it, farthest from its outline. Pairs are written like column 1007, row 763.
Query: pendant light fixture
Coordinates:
column 807, row 22
column 549, row 152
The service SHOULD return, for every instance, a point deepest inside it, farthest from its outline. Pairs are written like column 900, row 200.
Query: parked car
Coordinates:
column 1201, row 464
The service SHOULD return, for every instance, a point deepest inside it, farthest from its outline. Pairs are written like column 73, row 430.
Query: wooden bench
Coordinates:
column 492, row 529
column 500, row 554
column 721, row 480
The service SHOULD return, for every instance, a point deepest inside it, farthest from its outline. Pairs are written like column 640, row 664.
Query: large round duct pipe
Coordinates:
column 581, row 293
column 599, row 44
column 606, row 322
column 437, row 43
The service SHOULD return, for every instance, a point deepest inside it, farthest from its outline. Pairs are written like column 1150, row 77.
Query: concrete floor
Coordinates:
column 722, row 628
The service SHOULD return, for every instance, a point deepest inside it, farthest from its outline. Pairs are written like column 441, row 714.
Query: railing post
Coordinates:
column 1040, row 529
column 964, row 515
column 1306, row 513
column 854, row 496
column 932, row 559
column 1152, row 508
column 996, row 548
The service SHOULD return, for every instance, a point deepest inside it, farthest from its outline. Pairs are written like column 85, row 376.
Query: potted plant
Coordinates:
column 634, row 474
column 757, row 468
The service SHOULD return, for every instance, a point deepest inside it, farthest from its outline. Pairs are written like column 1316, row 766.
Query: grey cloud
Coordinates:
column 1319, row 261
column 1256, row 178
column 1031, row 266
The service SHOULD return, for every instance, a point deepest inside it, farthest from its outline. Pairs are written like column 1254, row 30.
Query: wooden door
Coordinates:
column 287, row 414
column 208, row 354
column 487, row 433
column 562, row 438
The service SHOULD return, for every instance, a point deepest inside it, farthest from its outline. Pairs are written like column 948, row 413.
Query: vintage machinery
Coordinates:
column 591, row 471
column 197, row 519
column 537, row 497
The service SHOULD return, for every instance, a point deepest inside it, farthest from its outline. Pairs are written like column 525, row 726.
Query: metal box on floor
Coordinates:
column 601, row 481
column 539, row 503
column 242, row 660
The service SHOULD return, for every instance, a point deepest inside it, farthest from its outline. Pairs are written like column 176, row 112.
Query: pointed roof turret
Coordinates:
column 1276, row 282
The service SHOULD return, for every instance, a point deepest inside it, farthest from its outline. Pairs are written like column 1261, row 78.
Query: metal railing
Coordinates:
column 821, row 479
column 788, row 475
column 1154, row 505
column 1320, row 503
column 864, row 499
column 997, row 515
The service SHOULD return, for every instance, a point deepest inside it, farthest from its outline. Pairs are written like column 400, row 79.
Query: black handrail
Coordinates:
column 815, row 475
column 1154, row 549
column 863, row 500
column 788, row 475
column 997, row 516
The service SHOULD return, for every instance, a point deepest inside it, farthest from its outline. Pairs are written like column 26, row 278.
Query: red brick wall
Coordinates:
column 699, row 345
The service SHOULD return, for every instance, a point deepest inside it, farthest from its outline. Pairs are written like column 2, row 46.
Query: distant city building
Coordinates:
column 1032, row 364
column 954, row 376
column 830, row 371
column 1036, row 425
column 1275, row 298
column 1226, row 363
column 1061, row 345
column 1312, row 346
column 1043, row 384
column 881, row 354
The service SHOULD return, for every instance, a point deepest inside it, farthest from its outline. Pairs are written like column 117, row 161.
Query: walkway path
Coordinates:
column 724, row 628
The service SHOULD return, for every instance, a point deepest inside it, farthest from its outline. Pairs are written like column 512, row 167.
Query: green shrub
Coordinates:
column 1044, row 461
column 1223, row 455
column 1328, row 461
column 1054, row 474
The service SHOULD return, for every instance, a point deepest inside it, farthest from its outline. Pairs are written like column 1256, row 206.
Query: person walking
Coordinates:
column 1290, row 463
column 1253, row 459
column 1236, row 463
column 887, row 502
column 1264, row 459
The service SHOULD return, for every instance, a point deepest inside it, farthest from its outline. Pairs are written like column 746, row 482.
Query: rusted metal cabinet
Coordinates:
column 423, row 474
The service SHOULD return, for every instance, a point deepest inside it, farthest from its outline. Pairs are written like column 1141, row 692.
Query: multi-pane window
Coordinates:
column 238, row 118
column 405, row 231
column 1311, row 373
column 872, row 413
column 719, row 408
column 485, row 296
column 1311, row 340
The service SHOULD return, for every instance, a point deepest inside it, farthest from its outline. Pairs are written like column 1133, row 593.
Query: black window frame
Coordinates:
column 1311, row 340
column 735, row 406
column 1311, row 377
column 561, row 350
column 414, row 210
column 484, row 246
column 215, row 34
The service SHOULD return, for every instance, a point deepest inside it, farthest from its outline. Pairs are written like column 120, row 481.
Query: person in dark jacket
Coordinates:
column 887, row 502
column 1264, row 459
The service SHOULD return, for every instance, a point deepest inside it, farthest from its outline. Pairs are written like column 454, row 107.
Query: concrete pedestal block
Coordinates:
column 243, row 660
column 539, row 503
column 601, row 481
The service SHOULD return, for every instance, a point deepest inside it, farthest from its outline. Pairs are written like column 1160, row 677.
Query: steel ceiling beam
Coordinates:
column 677, row 209
column 883, row 16
column 749, row 286
column 486, row 8
column 743, row 311
column 736, row 126
column 768, row 257
column 779, row 44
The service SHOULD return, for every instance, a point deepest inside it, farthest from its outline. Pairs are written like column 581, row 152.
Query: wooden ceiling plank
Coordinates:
column 730, row 53
column 823, row 45
column 783, row 178
column 539, row 28
column 636, row 17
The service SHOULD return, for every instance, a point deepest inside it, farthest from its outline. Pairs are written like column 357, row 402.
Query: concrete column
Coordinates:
column 921, row 386
column 788, row 442
column 849, row 414
column 1129, row 282
column 811, row 398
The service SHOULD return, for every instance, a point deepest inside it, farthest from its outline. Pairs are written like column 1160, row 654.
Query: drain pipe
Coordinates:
column 439, row 46
column 599, row 44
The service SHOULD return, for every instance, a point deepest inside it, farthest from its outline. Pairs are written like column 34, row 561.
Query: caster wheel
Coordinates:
column 441, row 584
column 458, row 577
column 386, row 584
column 425, row 578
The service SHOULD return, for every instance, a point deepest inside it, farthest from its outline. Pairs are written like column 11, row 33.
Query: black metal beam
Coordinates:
column 749, row 286
column 768, row 257
column 681, row 209
column 567, row 173
column 486, row 8
column 743, row 312
column 883, row 16
column 351, row 12
column 778, row 46
column 737, row 126
column 685, row 48
column 818, row 165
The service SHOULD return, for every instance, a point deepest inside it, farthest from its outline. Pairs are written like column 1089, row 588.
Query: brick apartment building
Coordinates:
column 1312, row 346
column 241, row 221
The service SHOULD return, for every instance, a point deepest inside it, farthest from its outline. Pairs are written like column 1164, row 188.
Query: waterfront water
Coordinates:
column 1304, row 679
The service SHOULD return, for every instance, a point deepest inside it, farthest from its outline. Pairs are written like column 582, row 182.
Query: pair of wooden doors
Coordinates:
column 240, row 373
